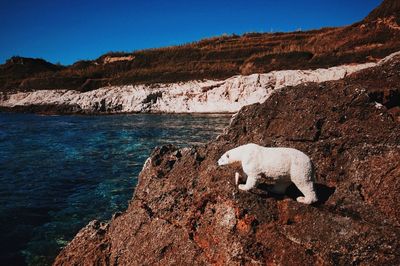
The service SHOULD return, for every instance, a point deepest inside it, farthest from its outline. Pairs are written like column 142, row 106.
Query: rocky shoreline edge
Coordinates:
column 187, row 210
column 206, row 96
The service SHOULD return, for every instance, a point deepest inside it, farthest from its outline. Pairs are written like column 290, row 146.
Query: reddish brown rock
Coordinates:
column 187, row 210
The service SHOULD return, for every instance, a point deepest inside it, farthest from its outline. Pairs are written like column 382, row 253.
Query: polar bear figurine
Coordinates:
column 284, row 165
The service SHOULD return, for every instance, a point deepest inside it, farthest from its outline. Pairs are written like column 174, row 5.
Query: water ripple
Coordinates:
column 60, row 172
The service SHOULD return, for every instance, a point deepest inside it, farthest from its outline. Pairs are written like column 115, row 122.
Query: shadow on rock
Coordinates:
column 323, row 192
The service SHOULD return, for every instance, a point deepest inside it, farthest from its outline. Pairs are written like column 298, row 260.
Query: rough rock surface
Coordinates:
column 388, row 8
column 187, row 210
column 186, row 97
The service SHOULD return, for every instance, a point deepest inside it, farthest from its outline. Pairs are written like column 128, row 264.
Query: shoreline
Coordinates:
column 206, row 96
column 25, row 110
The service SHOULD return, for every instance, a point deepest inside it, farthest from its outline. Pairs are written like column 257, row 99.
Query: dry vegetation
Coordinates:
column 217, row 58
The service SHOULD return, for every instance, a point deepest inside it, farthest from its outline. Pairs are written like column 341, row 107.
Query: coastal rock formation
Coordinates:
column 186, row 97
column 368, row 40
column 188, row 211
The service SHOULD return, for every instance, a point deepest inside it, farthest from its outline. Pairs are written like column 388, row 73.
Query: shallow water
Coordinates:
column 59, row 172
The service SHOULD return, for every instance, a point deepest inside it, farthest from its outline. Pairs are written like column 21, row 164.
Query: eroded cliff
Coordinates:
column 221, row 57
column 209, row 96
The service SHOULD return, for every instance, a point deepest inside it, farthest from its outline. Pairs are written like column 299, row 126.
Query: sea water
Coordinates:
column 57, row 173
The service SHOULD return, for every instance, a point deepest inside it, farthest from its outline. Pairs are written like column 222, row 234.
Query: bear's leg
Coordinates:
column 250, row 183
column 307, row 188
column 237, row 176
column 280, row 187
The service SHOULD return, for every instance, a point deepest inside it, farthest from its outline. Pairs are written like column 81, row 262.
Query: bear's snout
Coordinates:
column 222, row 161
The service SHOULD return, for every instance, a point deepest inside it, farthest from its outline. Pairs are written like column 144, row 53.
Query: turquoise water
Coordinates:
column 59, row 172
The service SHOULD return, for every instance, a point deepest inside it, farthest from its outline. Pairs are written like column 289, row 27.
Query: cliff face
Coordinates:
column 187, row 210
column 222, row 57
column 208, row 96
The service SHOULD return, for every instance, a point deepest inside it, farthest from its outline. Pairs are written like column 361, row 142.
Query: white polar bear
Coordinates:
column 285, row 165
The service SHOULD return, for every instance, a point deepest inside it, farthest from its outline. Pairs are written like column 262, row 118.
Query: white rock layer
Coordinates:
column 208, row 96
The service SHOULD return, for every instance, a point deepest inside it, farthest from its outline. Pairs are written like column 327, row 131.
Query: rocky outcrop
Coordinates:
column 388, row 8
column 188, row 211
column 187, row 97
column 111, row 59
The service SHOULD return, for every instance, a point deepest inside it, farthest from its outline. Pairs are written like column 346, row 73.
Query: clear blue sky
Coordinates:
column 66, row 31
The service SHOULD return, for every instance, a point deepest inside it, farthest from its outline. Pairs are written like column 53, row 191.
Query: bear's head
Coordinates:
column 224, row 159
